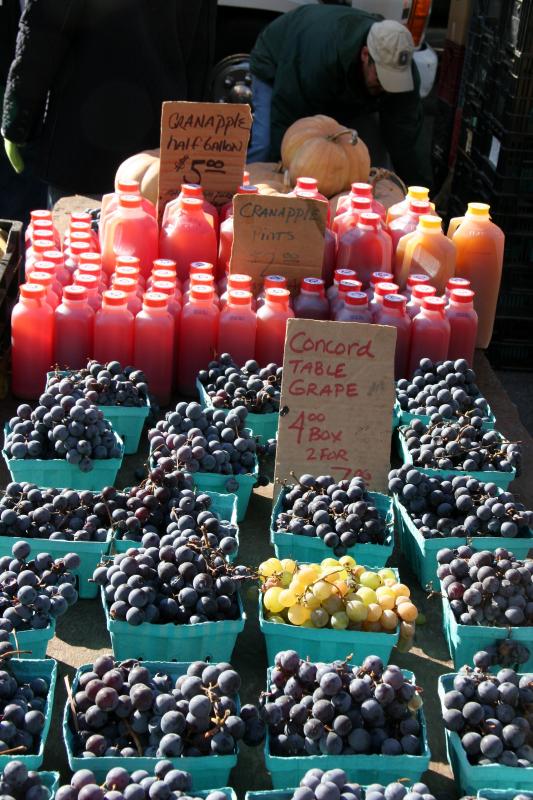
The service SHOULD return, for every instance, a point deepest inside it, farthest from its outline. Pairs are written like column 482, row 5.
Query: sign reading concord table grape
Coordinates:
column 278, row 235
column 336, row 401
column 203, row 143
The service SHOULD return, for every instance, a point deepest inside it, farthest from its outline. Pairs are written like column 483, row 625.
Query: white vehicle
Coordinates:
column 240, row 21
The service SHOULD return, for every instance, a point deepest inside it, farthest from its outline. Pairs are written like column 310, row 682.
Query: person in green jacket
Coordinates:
column 347, row 64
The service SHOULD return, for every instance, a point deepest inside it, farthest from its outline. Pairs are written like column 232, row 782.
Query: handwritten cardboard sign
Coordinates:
column 336, row 401
column 277, row 235
column 203, row 143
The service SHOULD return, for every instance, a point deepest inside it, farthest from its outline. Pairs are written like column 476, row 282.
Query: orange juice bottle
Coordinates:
column 426, row 250
column 413, row 193
column 479, row 246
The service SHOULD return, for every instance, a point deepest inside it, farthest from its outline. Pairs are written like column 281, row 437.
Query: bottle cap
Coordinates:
column 342, row 273
column 247, row 188
column 75, row 292
column 379, row 277
column 155, row 300
column 127, row 272
column 275, row 282
column 55, row 256
column 462, row 295
column 166, row 287
column 361, row 203
column 90, row 269
column 42, row 245
column 81, row 236
column 416, row 280
column 128, row 186
column 434, row 303
column 427, row 222
column 478, row 209
column 396, row 301
column 44, row 266
column 191, row 204
column 192, row 190
column 419, row 206
column 386, row 287
column 164, row 263
column 42, row 278
column 356, row 299
column 202, row 292
column 418, row 192
column 239, row 281
column 81, row 216
column 77, row 248
column 86, row 280
column 370, row 220
column 164, row 274
column 315, row 285
column 239, row 297
column 43, row 228
column 276, row 295
column 33, row 291
column 91, row 258
column 349, row 285
column 457, row 283
column 307, row 184
column 202, row 279
column 245, row 178
column 129, row 200
column 78, row 225
column 127, row 261
column 422, row 290
column 201, row 266
column 127, row 285
column 40, row 213
column 362, row 189
column 114, row 297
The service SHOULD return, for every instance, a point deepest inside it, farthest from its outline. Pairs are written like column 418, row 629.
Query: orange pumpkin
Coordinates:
column 321, row 148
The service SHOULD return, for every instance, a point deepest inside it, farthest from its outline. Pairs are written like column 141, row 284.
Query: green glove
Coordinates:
column 14, row 156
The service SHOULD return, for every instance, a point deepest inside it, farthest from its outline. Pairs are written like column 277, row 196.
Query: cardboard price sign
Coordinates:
column 277, row 235
column 336, row 401
column 203, row 143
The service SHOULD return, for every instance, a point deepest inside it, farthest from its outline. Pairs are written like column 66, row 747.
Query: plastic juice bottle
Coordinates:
column 408, row 221
column 202, row 280
column 378, row 277
column 311, row 303
column 129, row 287
column 188, row 236
column 131, row 231
column 91, row 264
column 237, row 327
column 271, row 282
column 415, row 280
column 37, row 216
column 380, row 290
column 430, row 333
column 345, row 286
column 81, row 226
column 426, row 250
column 72, row 260
column 113, row 329
column 77, row 237
column 94, row 271
column 479, row 245
column 110, row 202
column 354, row 309
column 456, row 283
column 203, row 267
column 420, row 193
column 169, row 289
column 46, row 279
column 90, row 284
column 330, row 254
column 36, row 252
column 271, row 326
column 361, row 190
column 57, row 258
column 42, row 229
column 419, row 293
column 237, row 282
column 366, row 248
column 132, row 261
column 195, row 191
column 339, row 275
column 131, row 274
column 32, row 341
column 74, row 321
column 348, row 219
column 154, row 344
column 163, row 269
column 392, row 312
column 463, row 325
column 308, row 187
column 50, row 268
column 198, row 336
column 226, row 236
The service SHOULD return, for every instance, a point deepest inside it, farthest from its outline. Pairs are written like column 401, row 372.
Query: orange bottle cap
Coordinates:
column 201, row 266
column 129, row 200
column 127, row 285
column 247, row 188
column 81, row 216
column 277, row 295
column 307, row 184
column 128, row 186
column 239, row 297
column 127, row 261
column 362, row 189
column 361, row 203
column 55, row 256
column 91, row 258
column 43, row 227
column 127, row 272
column 81, row 236
column 75, row 226
column 192, row 204
column 114, row 297
column 192, row 190
column 245, row 178
column 164, row 275
column 33, row 291
column 434, row 303
column 419, row 206
column 386, row 287
column 164, row 263
column 397, row 301
column 275, row 282
column 356, row 299
column 42, row 245
column 40, row 213
column 462, row 296
column 349, row 285
column 201, row 293
column 458, row 283
column 414, row 280
column 422, row 290
column 370, row 219
column 239, row 281
column 77, row 248
column 75, row 292
column 380, row 277
column 42, row 278
column 155, row 300
column 86, row 280
column 44, row 266
column 166, row 287
column 202, row 279
column 90, row 269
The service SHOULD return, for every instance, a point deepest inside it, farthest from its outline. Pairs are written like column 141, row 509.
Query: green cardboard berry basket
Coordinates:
column 465, row 640
column 313, row 549
column 422, row 553
column 167, row 641
column 289, row 770
column 27, row 669
column 405, row 417
column 469, row 778
column 501, row 479
column 264, row 426
column 54, row 472
column 498, row 794
column 90, row 554
column 225, row 505
column 214, row 482
column 208, row 772
column 34, row 641
column 51, row 781
column 127, row 421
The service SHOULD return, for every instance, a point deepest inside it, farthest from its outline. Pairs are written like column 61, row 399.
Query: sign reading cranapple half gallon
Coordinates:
column 278, row 235
column 336, row 401
column 203, row 143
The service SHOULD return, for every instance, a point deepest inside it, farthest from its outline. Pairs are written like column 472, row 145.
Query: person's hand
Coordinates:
column 13, row 154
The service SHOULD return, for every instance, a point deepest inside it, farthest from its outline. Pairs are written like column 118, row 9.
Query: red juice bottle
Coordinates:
column 81, row 226
column 57, row 257
column 32, row 342
column 113, row 329
column 93, row 271
column 420, row 193
column 339, row 275
column 226, row 236
column 199, row 279
column 366, row 248
column 196, row 192
column 74, row 321
column 349, row 218
column 271, row 282
column 129, row 287
column 36, row 252
column 50, row 268
column 408, row 221
column 308, row 187
column 46, row 279
column 188, row 236
column 237, row 282
column 380, row 290
column 456, row 283
column 198, row 337
column 130, row 274
column 415, row 280
column 237, row 327
column 361, row 190
column 378, row 277
column 463, row 320
column 345, row 286
column 153, row 350
column 132, row 261
column 72, row 261
column 198, row 267
column 354, row 308
column 392, row 312
column 163, row 264
column 330, row 255
column 43, row 229
column 430, row 333
column 90, row 284
column 419, row 292
column 131, row 231
column 110, row 202
column 311, row 302
column 271, row 326
column 174, row 306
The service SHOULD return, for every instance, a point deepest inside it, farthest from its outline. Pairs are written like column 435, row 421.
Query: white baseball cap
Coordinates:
column 391, row 46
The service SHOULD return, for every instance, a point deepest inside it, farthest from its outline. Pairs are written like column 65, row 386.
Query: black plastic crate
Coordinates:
column 514, row 301
column 443, row 129
column 517, row 278
column 10, row 274
column 512, row 354
column 518, row 29
column 513, row 327
column 450, row 72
